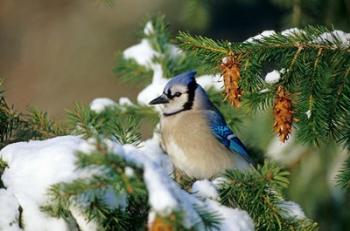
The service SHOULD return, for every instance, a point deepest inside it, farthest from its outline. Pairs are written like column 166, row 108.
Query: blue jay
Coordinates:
column 194, row 133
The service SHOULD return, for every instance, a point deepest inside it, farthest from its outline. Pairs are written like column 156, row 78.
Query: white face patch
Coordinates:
column 175, row 104
column 179, row 97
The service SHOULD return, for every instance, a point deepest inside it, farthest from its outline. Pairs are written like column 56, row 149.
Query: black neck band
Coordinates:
column 173, row 113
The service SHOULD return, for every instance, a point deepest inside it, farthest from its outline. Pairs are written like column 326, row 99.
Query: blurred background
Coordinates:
column 54, row 53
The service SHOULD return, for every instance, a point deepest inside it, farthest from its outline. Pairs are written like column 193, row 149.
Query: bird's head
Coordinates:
column 178, row 94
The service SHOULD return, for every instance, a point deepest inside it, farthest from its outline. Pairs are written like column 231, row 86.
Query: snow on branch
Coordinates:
column 36, row 165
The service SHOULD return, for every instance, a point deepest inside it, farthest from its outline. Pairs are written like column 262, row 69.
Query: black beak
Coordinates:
column 160, row 100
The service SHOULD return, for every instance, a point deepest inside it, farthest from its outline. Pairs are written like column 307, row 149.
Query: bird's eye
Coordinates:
column 177, row 94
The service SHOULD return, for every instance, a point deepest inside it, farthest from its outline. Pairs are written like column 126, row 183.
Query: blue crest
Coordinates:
column 183, row 79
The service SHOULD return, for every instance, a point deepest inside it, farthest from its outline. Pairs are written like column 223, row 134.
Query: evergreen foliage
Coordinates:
column 204, row 61
column 118, row 123
column 344, row 176
column 316, row 73
column 314, row 64
column 91, row 194
column 114, row 123
column 15, row 126
column 139, row 74
column 260, row 193
column 172, row 60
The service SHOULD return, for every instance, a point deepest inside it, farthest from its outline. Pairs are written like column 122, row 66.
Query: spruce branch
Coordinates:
column 130, row 71
column 11, row 123
column 211, row 220
column 15, row 126
column 259, row 193
column 315, row 63
column 166, row 54
column 207, row 50
column 343, row 178
column 89, row 194
column 118, row 122
column 42, row 125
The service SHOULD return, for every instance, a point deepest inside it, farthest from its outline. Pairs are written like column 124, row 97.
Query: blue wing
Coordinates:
column 224, row 134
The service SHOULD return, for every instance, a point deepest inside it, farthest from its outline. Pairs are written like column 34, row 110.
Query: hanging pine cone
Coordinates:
column 160, row 224
column 283, row 114
column 231, row 74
